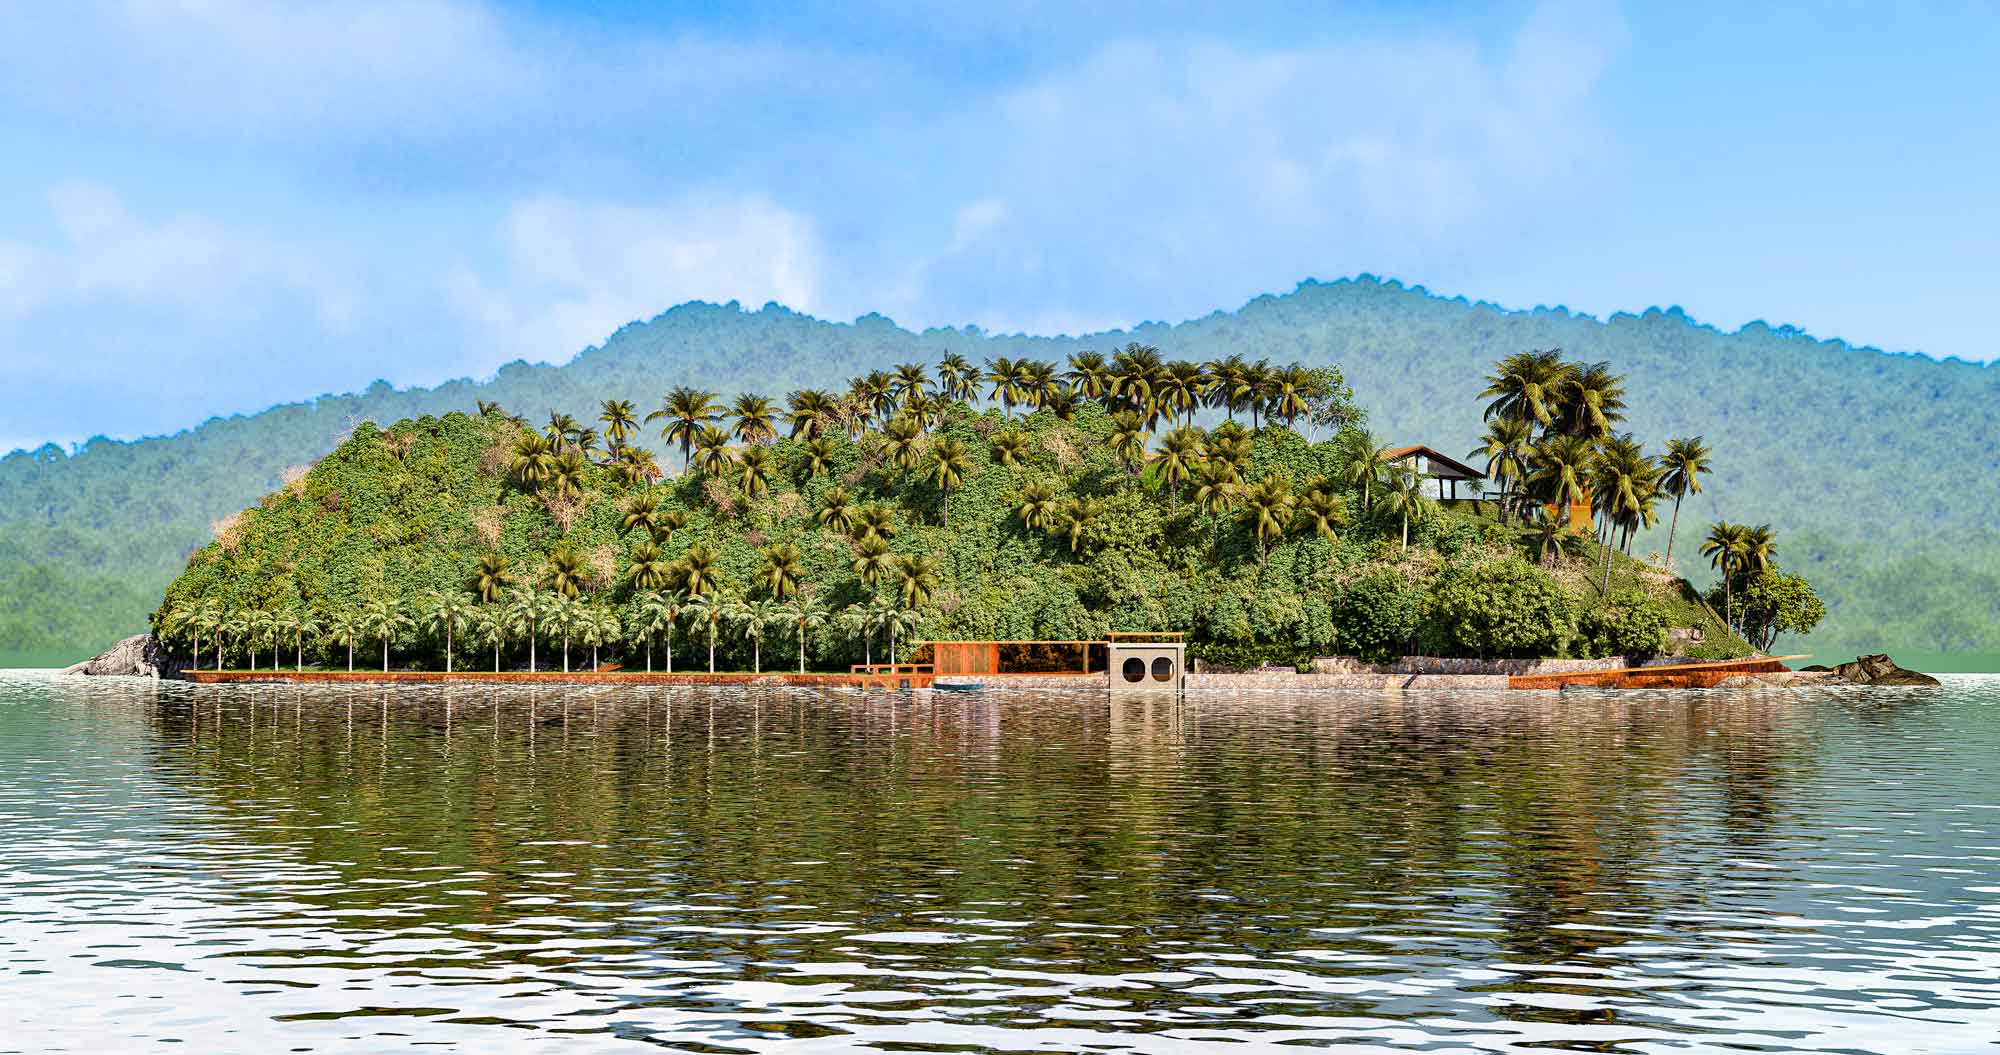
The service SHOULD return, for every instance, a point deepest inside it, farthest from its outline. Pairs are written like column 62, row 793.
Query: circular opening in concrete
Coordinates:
column 1135, row 669
column 1163, row 669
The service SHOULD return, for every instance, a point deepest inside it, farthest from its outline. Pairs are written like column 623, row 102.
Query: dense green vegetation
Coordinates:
column 825, row 531
column 1872, row 463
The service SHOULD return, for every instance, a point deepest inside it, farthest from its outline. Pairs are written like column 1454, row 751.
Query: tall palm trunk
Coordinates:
column 301, row 656
column 802, row 650
column 447, row 646
column 670, row 649
column 350, row 657
column 649, row 653
column 385, row 653
column 711, row 648
column 1671, row 527
column 565, row 652
column 496, row 655
column 756, row 655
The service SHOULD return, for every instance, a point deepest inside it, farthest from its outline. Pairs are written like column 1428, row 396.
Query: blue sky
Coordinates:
column 212, row 205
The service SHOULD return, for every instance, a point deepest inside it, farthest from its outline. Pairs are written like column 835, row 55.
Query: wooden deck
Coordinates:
column 885, row 680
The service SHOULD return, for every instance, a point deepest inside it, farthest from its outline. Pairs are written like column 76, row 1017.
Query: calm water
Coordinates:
column 276, row 869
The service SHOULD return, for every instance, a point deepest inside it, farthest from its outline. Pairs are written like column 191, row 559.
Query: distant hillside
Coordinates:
column 1877, row 471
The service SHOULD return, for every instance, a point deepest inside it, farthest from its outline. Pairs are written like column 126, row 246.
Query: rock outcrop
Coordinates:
column 138, row 656
column 1877, row 669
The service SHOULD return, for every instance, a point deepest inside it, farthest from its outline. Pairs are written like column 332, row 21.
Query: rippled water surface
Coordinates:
column 266, row 869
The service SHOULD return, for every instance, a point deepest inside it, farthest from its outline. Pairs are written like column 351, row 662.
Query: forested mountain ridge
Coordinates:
column 1877, row 469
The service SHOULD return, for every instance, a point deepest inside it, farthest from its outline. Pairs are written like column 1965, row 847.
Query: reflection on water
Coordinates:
column 278, row 868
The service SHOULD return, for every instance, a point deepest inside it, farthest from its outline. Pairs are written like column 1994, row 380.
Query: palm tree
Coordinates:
column 836, row 510
column 711, row 447
column 895, row 618
column 1061, row 403
column 1685, row 462
column 754, row 417
column 634, row 466
column 916, row 581
column 875, row 521
column 872, row 560
column 1006, row 378
column 1267, row 510
column 1088, row 375
column 599, row 627
column 956, row 378
column 1760, row 549
column 523, row 614
column 755, row 473
column 1230, row 384
column 858, row 619
column 818, row 453
column 490, row 577
column 564, row 614
column 1128, row 439
column 1592, row 401
column 1180, row 453
column 207, row 616
column 566, row 473
column 342, row 629
column 666, row 523
column 706, row 610
column 534, row 457
column 648, row 567
column 948, row 467
column 619, row 424
column 1180, row 390
column 569, row 571
column 1622, row 482
column 1010, row 448
column 487, row 626
column 560, row 428
column 382, row 619
column 811, row 411
column 1075, row 521
column 1364, row 464
column 263, row 626
column 909, row 379
column 752, row 619
column 1506, row 446
column 446, row 611
column 1321, row 512
column 688, row 411
column 697, row 572
column 902, row 442
column 1403, row 496
column 1527, row 386
column 652, row 612
column 1036, row 505
column 802, row 616
column 642, row 512
column 1286, row 392
column 783, row 564
column 1559, row 470
column 1726, row 550
column 1548, row 536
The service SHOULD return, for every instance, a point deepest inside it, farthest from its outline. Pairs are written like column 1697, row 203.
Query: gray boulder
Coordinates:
column 1879, row 669
column 138, row 656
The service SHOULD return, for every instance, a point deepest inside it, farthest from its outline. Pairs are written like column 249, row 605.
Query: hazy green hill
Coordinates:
column 1878, row 471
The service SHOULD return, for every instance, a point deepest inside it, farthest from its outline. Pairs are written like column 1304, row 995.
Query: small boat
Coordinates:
column 959, row 687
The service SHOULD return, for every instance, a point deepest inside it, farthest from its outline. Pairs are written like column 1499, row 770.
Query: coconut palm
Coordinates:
column 1321, row 512
column 802, row 616
column 1403, row 497
column 818, row 453
column 648, row 568
column 642, row 513
column 1006, row 379
column 569, row 571
column 1760, row 550
column 837, row 510
column 916, row 581
column 1075, row 520
column 1685, row 463
column 754, row 472
column 1036, row 506
column 711, row 451
column 896, row 619
column 754, row 419
column 1622, row 483
column 653, row 612
column 533, row 458
column 383, row 620
column 1285, row 392
column 522, row 614
column 567, row 473
column 565, row 615
column 208, row 617
column 487, row 625
column 1230, row 386
column 1592, row 400
column 619, row 424
column 599, row 626
column 706, row 610
column 1559, row 470
column 1010, row 448
column 872, row 560
column 812, row 411
column 688, row 411
column 1528, row 386
column 446, row 612
column 1266, row 510
column 957, row 379
column 779, row 575
column 857, row 619
column 1088, row 375
column 261, row 625
column 875, row 521
column 948, row 466
column 697, row 572
column 1549, row 537
column 1726, row 549
column 902, row 441
column 1506, row 446
column 1180, row 390
column 1179, row 455
column 344, row 629
column 752, row 620
column 1061, row 403
column 666, row 523
column 1363, row 463
column 1128, row 439
column 490, row 577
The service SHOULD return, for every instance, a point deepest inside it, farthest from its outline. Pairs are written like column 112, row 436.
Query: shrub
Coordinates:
column 1377, row 616
column 1628, row 623
column 1504, row 608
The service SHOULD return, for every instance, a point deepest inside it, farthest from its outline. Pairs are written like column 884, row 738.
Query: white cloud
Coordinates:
column 574, row 271
column 194, row 265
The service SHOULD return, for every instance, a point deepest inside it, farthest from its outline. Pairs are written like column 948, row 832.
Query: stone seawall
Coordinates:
column 1461, row 665
column 1280, row 681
